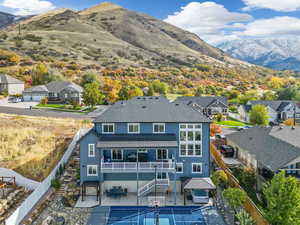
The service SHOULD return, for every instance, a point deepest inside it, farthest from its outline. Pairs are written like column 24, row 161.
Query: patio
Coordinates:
column 131, row 200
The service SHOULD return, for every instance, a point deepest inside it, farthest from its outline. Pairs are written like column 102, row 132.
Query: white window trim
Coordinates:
column 181, row 167
column 162, row 149
column 111, row 154
column 133, row 124
column 194, row 142
column 94, row 151
column 159, row 125
column 92, row 175
column 200, row 167
column 105, row 124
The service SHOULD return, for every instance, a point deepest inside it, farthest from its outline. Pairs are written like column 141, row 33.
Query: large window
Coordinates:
column 134, row 128
column 92, row 170
column 91, row 150
column 108, row 128
column 162, row 154
column 190, row 140
column 117, row 154
column 197, row 168
column 158, row 128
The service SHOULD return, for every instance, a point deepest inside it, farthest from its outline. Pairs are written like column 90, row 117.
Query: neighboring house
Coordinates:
column 55, row 91
column 134, row 141
column 209, row 105
column 268, row 149
column 278, row 110
column 10, row 85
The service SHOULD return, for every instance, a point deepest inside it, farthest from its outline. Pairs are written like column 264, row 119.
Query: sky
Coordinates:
column 214, row 21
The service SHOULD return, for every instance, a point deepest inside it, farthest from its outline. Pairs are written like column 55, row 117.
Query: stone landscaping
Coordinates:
column 11, row 199
column 59, row 207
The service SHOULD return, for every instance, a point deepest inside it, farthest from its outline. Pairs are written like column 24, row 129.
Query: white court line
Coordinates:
column 173, row 216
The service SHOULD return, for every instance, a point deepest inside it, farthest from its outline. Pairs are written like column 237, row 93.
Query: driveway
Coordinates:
column 22, row 105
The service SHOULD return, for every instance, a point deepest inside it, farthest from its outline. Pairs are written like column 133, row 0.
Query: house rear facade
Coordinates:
column 10, row 85
column 138, row 141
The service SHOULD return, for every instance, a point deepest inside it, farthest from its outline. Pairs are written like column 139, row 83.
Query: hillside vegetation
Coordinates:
column 33, row 145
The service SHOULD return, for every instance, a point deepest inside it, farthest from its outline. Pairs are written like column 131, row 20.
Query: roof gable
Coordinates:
column 203, row 101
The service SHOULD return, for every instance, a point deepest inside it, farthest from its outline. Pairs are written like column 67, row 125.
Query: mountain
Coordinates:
column 6, row 19
column 110, row 35
column 276, row 53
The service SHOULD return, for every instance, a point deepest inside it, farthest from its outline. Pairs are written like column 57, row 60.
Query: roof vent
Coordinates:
column 156, row 97
column 138, row 98
column 177, row 104
column 293, row 128
column 144, row 107
column 280, row 128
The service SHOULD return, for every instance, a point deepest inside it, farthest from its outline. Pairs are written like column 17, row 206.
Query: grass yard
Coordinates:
column 59, row 107
column 33, row 145
column 231, row 123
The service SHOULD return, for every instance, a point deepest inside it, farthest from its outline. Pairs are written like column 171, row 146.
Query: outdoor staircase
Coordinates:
column 161, row 186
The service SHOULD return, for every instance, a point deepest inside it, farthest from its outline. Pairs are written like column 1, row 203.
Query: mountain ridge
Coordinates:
column 130, row 38
column 276, row 53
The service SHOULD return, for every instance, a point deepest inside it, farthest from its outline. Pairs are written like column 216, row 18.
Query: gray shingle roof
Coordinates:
column 58, row 86
column 151, row 109
column 203, row 101
column 137, row 140
column 278, row 106
column 268, row 147
column 39, row 88
column 6, row 79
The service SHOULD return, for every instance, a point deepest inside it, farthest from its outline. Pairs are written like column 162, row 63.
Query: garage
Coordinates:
column 36, row 93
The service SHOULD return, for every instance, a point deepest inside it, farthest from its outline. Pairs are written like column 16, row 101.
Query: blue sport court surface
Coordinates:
column 132, row 215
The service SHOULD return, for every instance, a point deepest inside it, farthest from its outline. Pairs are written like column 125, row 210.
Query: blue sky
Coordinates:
column 214, row 20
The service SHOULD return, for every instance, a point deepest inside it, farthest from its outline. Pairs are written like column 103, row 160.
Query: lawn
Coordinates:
column 33, row 145
column 231, row 123
column 60, row 107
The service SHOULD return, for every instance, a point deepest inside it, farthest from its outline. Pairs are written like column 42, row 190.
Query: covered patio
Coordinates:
column 198, row 188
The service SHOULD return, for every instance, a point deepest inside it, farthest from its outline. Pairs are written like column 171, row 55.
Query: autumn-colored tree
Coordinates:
column 135, row 91
column 275, row 82
column 215, row 129
column 259, row 115
column 39, row 74
column 289, row 122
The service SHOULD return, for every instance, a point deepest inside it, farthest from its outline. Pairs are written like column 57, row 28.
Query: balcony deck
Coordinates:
column 133, row 167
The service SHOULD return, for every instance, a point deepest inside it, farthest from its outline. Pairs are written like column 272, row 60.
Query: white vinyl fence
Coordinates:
column 20, row 180
column 22, row 211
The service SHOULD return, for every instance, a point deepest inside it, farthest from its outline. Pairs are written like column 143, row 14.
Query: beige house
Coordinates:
column 10, row 85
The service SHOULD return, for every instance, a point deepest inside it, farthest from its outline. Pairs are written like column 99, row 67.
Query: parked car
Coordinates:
column 14, row 99
column 227, row 151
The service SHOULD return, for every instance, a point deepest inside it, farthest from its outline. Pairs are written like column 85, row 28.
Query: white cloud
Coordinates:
column 278, row 5
column 208, row 19
column 28, row 7
column 280, row 26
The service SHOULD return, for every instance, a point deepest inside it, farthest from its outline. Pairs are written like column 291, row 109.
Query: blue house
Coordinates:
column 144, row 145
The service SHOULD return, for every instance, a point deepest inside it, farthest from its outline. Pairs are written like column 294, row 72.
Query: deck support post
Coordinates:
column 184, row 197
column 137, row 177
column 175, row 178
column 100, row 176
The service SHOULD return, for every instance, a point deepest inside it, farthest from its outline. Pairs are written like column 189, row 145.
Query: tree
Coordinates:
column 283, row 200
column 40, row 74
column 124, row 93
column 259, row 115
column 289, row 122
column 268, row 95
column 150, row 91
column 220, row 178
column 199, row 91
column 248, row 96
column 92, row 95
column 235, row 197
column 88, row 78
column 215, row 129
column 244, row 218
column 160, row 87
column 287, row 93
column 134, row 92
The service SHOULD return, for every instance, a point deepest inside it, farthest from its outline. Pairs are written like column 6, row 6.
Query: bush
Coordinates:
column 220, row 178
column 55, row 183
column 44, row 101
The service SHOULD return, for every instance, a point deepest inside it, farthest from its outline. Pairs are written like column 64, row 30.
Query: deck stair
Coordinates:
column 161, row 186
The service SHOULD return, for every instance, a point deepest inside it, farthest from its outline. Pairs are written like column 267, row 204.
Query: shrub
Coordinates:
column 55, row 183
column 220, row 178
column 44, row 101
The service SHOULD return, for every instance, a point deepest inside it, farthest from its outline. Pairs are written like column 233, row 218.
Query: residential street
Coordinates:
column 52, row 113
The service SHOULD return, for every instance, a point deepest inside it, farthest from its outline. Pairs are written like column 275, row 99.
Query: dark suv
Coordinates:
column 227, row 151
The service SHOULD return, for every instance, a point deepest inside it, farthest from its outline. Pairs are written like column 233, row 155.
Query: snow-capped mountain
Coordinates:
column 276, row 53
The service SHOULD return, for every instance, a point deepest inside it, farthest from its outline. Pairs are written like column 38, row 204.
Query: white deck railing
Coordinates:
column 133, row 167
column 151, row 184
